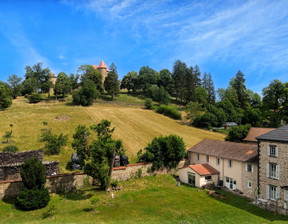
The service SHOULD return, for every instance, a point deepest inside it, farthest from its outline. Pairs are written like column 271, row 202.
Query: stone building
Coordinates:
column 236, row 163
column 103, row 70
column 273, row 167
column 53, row 79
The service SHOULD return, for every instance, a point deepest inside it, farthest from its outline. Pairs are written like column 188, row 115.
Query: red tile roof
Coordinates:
column 255, row 132
column 228, row 150
column 95, row 66
column 203, row 169
column 102, row 65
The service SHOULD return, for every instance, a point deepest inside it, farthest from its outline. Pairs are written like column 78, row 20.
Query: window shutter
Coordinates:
column 268, row 150
column 277, row 172
column 276, row 151
column 252, row 166
column 285, row 195
column 277, row 193
column 267, row 169
column 246, row 167
column 267, row 192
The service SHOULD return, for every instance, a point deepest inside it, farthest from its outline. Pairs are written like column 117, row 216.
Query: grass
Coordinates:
column 134, row 125
column 155, row 199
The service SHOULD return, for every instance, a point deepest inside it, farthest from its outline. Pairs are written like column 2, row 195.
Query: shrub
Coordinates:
column 207, row 121
column 114, row 183
column 139, row 172
column 31, row 199
column 54, row 143
column 94, row 199
column 149, row 104
column 35, row 98
column 10, row 148
column 33, row 174
column 158, row 94
column 169, row 111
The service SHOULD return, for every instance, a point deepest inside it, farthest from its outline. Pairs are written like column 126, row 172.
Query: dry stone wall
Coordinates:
column 7, row 158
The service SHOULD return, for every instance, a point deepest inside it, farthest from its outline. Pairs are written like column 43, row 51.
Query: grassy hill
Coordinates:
column 154, row 199
column 134, row 125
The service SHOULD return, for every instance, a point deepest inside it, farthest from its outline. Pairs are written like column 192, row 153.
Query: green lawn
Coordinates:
column 154, row 199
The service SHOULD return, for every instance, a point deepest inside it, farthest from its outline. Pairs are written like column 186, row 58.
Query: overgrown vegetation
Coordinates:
column 170, row 111
column 10, row 148
column 163, row 152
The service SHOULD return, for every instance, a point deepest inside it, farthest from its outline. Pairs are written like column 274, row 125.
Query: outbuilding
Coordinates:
column 198, row 175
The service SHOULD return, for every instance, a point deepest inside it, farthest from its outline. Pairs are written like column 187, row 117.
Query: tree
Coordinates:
column 62, row 85
column 208, row 84
column 102, row 151
column 200, row 96
column 166, row 80
column 86, row 94
column 254, row 99
column 92, row 74
column 74, row 81
column 158, row 94
column 53, row 143
column 28, row 86
column 39, row 77
column 111, row 84
column 207, row 121
column 147, row 77
column 179, row 76
column 164, row 152
column 34, row 195
column 7, row 136
column 238, row 83
column 193, row 110
column 5, row 96
column 129, row 81
column 80, row 143
column 15, row 86
column 238, row 133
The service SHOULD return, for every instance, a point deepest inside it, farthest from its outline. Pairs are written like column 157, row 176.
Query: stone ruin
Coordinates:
column 118, row 161
column 10, row 164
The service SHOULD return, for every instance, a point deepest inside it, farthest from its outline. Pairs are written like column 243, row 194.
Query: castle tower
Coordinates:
column 53, row 80
column 103, row 70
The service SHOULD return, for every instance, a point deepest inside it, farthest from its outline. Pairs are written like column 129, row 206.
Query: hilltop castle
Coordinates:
column 102, row 68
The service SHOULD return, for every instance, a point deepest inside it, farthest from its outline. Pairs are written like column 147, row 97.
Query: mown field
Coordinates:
column 134, row 125
column 154, row 199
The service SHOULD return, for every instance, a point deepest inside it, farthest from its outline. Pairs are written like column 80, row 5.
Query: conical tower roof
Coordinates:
column 102, row 65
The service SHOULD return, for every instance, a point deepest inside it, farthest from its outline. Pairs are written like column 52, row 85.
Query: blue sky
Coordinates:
column 221, row 37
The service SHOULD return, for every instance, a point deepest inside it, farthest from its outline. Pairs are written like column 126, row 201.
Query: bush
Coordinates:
column 54, row 143
column 10, row 148
column 207, row 121
column 169, row 111
column 158, row 94
column 86, row 94
column 35, row 98
column 31, row 199
column 33, row 174
column 149, row 104
column 114, row 183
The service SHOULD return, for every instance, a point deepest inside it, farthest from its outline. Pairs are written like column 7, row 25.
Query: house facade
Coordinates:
column 235, row 162
column 273, row 167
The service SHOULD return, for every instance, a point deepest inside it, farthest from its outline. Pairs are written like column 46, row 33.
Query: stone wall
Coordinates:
column 12, row 171
column 252, row 177
column 131, row 170
column 7, row 158
column 281, row 160
column 55, row 183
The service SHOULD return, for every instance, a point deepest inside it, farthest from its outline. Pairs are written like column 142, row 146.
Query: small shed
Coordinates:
column 198, row 175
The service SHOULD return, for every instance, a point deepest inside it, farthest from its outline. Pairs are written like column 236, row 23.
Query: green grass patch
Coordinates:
column 154, row 199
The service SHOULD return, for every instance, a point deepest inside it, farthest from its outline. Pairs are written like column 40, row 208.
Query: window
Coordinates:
column 273, row 151
column 249, row 167
column 230, row 163
column 218, row 161
column 249, row 184
column 208, row 177
column 207, row 158
column 198, row 157
column 272, row 192
column 272, row 170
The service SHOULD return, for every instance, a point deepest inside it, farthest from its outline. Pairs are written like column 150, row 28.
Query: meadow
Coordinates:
column 133, row 124
column 154, row 199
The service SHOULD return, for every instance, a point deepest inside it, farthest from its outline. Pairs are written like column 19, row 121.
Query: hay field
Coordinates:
column 134, row 125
